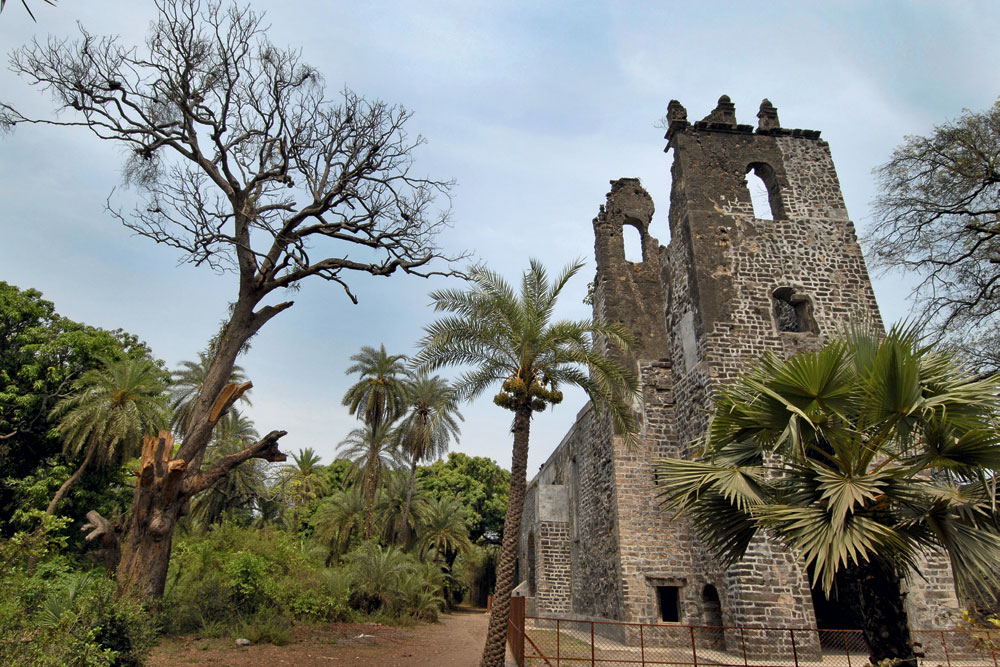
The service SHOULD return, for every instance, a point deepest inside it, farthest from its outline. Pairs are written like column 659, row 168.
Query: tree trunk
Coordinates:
column 165, row 485
column 886, row 628
column 409, row 497
column 369, row 502
column 156, row 507
column 73, row 479
column 495, row 649
column 142, row 572
column 162, row 492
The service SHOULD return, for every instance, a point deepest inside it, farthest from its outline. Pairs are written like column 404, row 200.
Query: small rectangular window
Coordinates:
column 670, row 604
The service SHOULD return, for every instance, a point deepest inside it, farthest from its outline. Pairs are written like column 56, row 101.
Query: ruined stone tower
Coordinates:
column 730, row 286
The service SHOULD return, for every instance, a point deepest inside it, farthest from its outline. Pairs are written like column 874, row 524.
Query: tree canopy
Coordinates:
column 41, row 355
column 478, row 483
column 937, row 216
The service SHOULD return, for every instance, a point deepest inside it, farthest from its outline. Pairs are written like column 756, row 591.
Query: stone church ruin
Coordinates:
column 728, row 287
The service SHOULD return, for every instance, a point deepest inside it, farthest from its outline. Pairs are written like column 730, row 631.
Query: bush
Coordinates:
column 396, row 583
column 55, row 612
column 246, row 581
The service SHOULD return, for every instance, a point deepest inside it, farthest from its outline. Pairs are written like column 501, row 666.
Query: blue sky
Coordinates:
column 532, row 107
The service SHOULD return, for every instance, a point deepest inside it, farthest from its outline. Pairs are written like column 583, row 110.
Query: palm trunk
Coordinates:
column 409, row 497
column 369, row 502
column 73, row 479
column 495, row 649
column 886, row 628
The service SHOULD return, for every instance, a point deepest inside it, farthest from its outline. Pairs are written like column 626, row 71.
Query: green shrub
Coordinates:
column 56, row 612
column 240, row 581
column 396, row 583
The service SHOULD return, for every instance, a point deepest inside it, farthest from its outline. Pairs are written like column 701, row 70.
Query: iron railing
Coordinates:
column 561, row 642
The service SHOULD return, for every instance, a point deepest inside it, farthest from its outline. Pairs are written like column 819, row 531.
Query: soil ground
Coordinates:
column 456, row 640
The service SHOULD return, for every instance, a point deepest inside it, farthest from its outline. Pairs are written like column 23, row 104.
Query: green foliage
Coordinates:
column 186, row 383
column 431, row 419
column 864, row 450
column 510, row 338
column 339, row 521
column 378, row 397
column 114, row 406
column 233, row 578
column 52, row 613
column 236, row 495
column 442, row 532
column 374, row 451
column 41, row 355
column 391, row 505
column 479, row 484
column 389, row 580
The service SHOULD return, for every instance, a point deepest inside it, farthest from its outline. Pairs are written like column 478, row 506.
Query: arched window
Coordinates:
column 632, row 238
column 765, row 194
column 712, row 617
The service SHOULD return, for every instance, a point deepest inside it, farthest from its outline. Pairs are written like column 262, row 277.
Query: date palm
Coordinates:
column 444, row 533
column 428, row 426
column 378, row 396
column 398, row 497
column 339, row 521
column 373, row 450
column 509, row 338
column 858, row 457
column 303, row 481
column 109, row 411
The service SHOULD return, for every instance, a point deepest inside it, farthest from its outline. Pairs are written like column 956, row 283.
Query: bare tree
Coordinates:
column 938, row 217
column 3, row 3
column 246, row 167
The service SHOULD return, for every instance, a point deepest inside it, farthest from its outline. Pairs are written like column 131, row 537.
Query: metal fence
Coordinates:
column 558, row 642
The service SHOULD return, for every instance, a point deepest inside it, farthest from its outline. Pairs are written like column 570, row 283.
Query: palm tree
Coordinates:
column 373, row 450
column 428, row 426
column 244, row 485
column 856, row 457
column 112, row 407
column 340, row 520
column 444, row 533
column 303, row 481
column 377, row 397
column 400, row 507
column 511, row 339
column 186, row 384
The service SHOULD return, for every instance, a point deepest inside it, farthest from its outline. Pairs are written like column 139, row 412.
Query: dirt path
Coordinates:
column 455, row 641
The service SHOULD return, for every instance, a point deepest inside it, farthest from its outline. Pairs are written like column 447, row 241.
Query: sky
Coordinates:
column 532, row 107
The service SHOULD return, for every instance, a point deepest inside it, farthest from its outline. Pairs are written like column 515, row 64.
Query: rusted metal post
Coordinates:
column 694, row 650
column 795, row 653
column 993, row 648
column 642, row 647
column 743, row 641
column 558, row 634
column 515, row 629
column 944, row 645
column 847, row 649
column 592, row 661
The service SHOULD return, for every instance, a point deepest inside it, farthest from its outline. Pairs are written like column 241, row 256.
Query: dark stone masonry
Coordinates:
column 727, row 288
